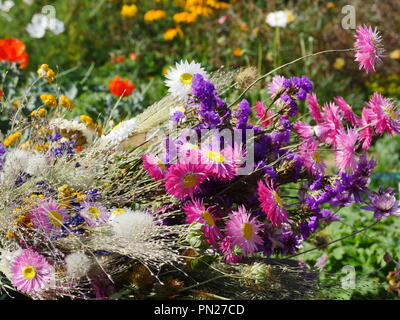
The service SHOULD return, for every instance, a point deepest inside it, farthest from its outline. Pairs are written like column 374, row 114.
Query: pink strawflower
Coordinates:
column 311, row 158
column 30, row 272
column 196, row 212
column 235, row 155
column 271, row 203
column 184, row 179
column 154, row 166
column 346, row 157
column 304, row 130
column 227, row 247
column 95, row 214
column 346, row 110
column 219, row 163
column 243, row 230
column 384, row 115
column 262, row 115
column 367, row 131
column 314, row 108
column 276, row 85
column 48, row 216
column 332, row 123
column 368, row 47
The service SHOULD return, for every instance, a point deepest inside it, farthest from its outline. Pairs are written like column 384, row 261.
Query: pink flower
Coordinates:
column 276, row 85
column 227, row 247
column 384, row 115
column 183, row 179
column 95, row 214
column 367, row 131
column 196, row 212
column 271, row 203
column 346, row 157
column 368, row 48
column 48, row 216
column 311, row 158
column 218, row 163
column 332, row 123
column 314, row 108
column 262, row 115
column 235, row 155
column 346, row 110
column 30, row 272
column 244, row 230
column 154, row 166
column 304, row 130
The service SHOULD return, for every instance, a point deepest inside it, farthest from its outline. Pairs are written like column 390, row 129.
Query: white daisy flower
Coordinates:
column 6, row 5
column 277, row 19
column 179, row 78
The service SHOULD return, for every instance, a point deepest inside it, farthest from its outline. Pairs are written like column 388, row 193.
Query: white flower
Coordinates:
column 72, row 126
column 120, row 132
column 18, row 161
column 40, row 23
column 77, row 264
column 134, row 224
column 277, row 19
column 6, row 5
column 179, row 78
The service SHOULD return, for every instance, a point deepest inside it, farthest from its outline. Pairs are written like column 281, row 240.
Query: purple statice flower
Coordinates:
column 281, row 137
column 3, row 151
column 262, row 146
column 93, row 195
column 291, row 242
column 63, row 148
column 55, row 136
column 327, row 216
column 317, row 183
column 383, row 204
column 289, row 101
column 308, row 227
column 177, row 116
column 242, row 114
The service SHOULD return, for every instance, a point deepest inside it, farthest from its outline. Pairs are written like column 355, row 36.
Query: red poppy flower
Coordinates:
column 1, row 94
column 120, row 88
column 13, row 50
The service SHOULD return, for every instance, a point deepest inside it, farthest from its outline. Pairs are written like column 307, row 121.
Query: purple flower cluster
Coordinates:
column 297, row 88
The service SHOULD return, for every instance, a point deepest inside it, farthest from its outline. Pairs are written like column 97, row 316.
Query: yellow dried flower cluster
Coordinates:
column 46, row 72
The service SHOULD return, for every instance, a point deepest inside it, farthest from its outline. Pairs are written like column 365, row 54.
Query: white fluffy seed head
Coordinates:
column 134, row 225
column 77, row 264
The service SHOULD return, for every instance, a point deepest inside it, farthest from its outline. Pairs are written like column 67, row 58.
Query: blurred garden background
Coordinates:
column 92, row 42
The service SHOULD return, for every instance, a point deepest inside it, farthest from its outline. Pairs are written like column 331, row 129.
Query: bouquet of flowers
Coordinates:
column 192, row 184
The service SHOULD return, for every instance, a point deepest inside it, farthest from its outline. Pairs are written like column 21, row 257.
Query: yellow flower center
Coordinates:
column 390, row 112
column 247, row 231
column 278, row 199
column 161, row 165
column 186, row 78
column 317, row 157
column 215, row 156
column 208, row 218
column 118, row 211
column 29, row 272
column 55, row 218
column 189, row 180
column 94, row 212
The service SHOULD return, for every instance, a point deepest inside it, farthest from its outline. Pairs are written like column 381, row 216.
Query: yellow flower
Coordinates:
column 66, row 103
column 171, row 33
column 41, row 147
column 237, row 52
column 49, row 100
column 184, row 17
column 165, row 70
column 39, row 113
column 330, row 5
column 153, row 15
column 200, row 10
column 88, row 121
column 339, row 63
column 219, row 5
column 129, row 11
column 12, row 139
column 395, row 54
column 46, row 72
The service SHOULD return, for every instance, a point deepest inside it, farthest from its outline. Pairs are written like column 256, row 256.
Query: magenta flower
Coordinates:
column 154, row 166
column 48, row 216
column 227, row 247
column 311, row 158
column 314, row 108
column 30, row 272
column 366, row 129
column 95, row 214
column 384, row 115
column 271, row 203
column 183, row 179
column 346, row 157
column 347, row 111
column 196, row 212
column 332, row 125
column 243, row 230
column 263, row 115
column 368, row 48
column 304, row 130
column 219, row 163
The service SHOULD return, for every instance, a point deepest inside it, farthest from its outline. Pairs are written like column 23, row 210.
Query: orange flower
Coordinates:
column 13, row 50
column 237, row 52
column 120, row 88
column 132, row 56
